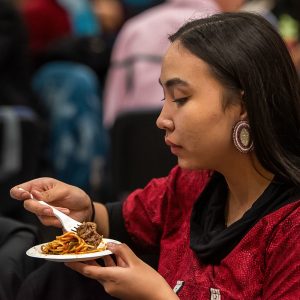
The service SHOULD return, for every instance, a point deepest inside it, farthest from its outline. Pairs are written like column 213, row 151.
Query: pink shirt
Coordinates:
column 132, row 81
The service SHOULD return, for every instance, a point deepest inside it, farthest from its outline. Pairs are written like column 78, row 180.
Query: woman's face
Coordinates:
column 198, row 129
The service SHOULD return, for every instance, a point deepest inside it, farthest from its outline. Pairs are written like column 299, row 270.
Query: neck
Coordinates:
column 245, row 185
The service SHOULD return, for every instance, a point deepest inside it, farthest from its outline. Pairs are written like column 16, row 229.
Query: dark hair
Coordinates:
column 245, row 53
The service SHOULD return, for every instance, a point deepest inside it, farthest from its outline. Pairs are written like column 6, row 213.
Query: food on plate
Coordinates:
column 85, row 240
column 88, row 232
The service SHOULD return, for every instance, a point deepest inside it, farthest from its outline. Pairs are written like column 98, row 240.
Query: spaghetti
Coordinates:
column 70, row 243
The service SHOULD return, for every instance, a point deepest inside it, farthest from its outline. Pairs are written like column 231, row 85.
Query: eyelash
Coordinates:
column 180, row 101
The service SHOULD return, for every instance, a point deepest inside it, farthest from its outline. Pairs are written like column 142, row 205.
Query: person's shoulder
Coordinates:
column 290, row 211
column 285, row 221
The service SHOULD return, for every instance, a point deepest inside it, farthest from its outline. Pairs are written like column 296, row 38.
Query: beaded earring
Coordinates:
column 242, row 137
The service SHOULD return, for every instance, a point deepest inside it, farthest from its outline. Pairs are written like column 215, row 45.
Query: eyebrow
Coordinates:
column 174, row 81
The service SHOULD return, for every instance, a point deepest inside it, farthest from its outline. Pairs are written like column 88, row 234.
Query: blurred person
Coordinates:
column 135, row 7
column 22, row 129
column 84, row 32
column 77, row 145
column 137, row 53
column 225, row 221
column 46, row 21
column 15, row 75
column 82, row 17
column 70, row 64
column 50, row 20
column 18, row 102
column 15, row 238
column 110, row 14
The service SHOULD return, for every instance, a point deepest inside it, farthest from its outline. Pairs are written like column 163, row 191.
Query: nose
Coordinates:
column 164, row 123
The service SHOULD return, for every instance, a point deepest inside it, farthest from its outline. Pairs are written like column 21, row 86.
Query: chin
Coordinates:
column 188, row 164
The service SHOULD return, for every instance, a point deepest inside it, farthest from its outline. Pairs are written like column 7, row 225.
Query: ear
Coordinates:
column 243, row 111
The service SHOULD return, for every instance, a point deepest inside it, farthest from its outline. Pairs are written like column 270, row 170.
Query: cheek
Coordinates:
column 209, row 134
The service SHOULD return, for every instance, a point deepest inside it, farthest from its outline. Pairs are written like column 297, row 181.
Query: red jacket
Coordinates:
column 264, row 265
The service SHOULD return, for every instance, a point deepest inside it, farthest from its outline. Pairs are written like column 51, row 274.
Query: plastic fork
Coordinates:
column 67, row 223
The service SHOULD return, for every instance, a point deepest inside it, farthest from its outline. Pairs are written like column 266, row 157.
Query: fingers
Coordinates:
column 94, row 271
column 44, row 213
column 37, row 208
column 123, row 253
column 37, row 187
column 108, row 261
column 49, row 221
column 20, row 192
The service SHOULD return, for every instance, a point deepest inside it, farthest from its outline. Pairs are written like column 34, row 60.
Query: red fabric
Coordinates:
column 264, row 265
column 46, row 21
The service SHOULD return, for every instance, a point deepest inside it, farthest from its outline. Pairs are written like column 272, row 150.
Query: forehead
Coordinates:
column 180, row 63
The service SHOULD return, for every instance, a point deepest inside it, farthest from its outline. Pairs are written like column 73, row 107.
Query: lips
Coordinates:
column 170, row 144
column 174, row 148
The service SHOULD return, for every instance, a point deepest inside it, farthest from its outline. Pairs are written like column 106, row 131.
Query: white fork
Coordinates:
column 68, row 223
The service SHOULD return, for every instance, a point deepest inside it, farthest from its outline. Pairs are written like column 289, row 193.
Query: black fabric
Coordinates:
column 30, row 144
column 14, row 60
column 210, row 238
column 15, row 239
column 55, row 281
column 118, row 232
column 10, row 227
column 93, row 51
column 133, row 164
column 117, row 229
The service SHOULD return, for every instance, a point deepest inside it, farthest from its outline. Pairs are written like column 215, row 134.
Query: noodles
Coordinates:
column 70, row 243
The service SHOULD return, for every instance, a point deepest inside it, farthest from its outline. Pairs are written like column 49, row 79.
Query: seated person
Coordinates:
column 15, row 239
column 225, row 222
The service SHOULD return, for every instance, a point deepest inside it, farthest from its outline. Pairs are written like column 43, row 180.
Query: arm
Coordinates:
column 102, row 219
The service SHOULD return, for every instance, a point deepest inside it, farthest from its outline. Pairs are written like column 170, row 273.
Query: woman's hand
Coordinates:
column 128, row 277
column 67, row 198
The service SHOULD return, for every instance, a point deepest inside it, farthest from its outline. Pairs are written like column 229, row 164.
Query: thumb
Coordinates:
column 124, row 252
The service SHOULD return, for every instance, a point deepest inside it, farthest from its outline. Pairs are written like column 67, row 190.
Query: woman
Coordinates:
column 232, row 106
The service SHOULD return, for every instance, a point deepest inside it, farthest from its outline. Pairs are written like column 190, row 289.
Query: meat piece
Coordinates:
column 88, row 232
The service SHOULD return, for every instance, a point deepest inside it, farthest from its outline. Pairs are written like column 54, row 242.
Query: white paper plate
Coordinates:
column 36, row 252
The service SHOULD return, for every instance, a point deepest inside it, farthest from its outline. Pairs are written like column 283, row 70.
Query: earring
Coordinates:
column 241, row 137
